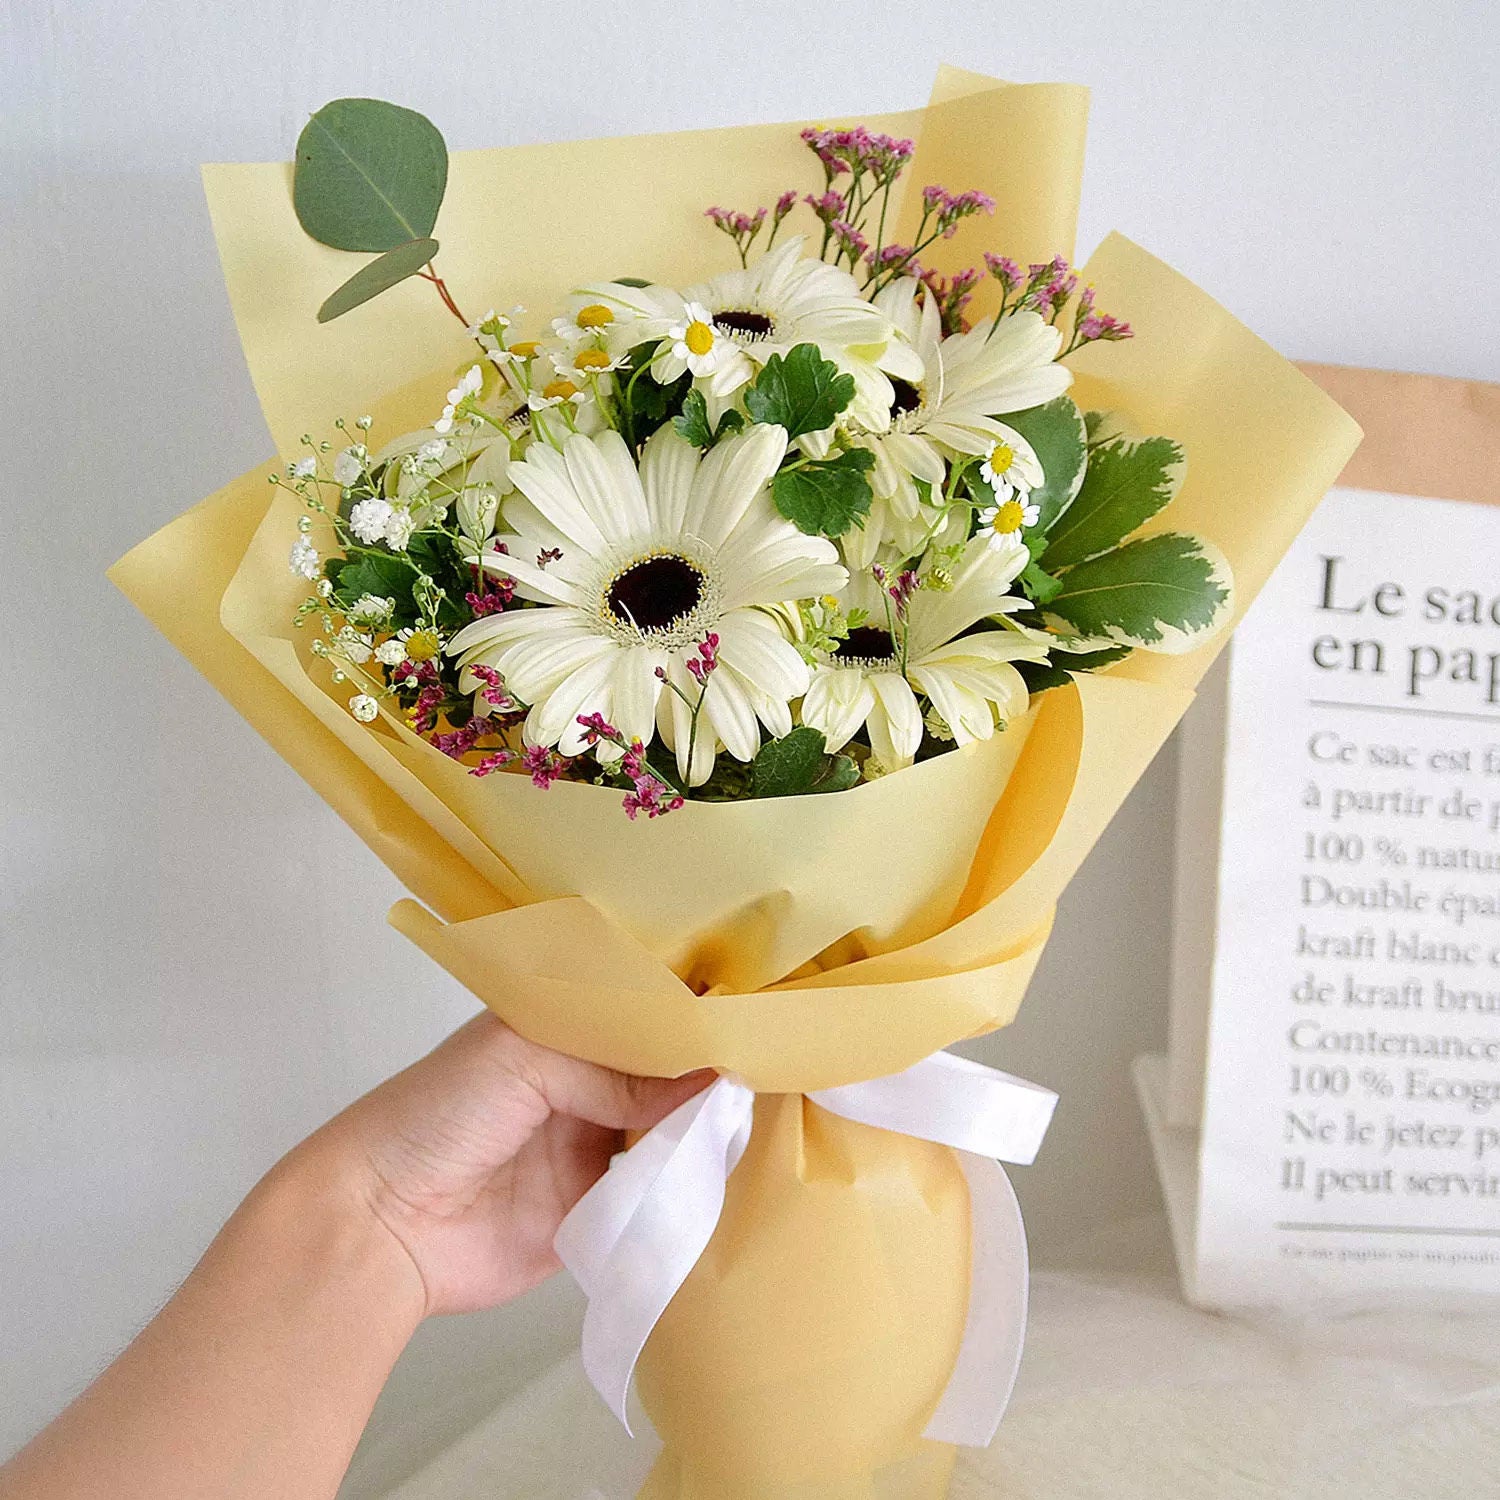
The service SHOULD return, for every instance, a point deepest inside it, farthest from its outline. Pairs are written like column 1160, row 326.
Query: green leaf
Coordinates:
column 1039, row 585
column 828, row 496
column 1163, row 592
column 379, row 276
column 644, row 402
column 798, row 765
column 800, row 391
column 371, row 572
column 1126, row 484
column 730, row 422
column 631, row 281
column 369, row 175
column 1056, row 432
column 692, row 422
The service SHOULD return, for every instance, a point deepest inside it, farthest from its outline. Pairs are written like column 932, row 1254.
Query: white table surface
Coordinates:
column 1126, row 1393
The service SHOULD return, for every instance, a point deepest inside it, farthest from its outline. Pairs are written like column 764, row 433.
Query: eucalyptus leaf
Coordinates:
column 369, row 175
column 1163, row 593
column 379, row 276
column 1056, row 432
column 1126, row 484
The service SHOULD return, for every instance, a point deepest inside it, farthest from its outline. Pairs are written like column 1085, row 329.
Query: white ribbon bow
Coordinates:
column 632, row 1239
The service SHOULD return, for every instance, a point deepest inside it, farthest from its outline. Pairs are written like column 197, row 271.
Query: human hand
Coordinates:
column 471, row 1158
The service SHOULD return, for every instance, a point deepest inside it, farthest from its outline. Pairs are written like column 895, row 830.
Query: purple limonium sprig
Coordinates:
column 648, row 793
column 743, row 228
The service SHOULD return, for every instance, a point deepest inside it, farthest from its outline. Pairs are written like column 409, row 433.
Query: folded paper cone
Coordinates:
column 799, row 944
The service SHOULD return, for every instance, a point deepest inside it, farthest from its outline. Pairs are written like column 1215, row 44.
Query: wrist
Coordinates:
column 319, row 1207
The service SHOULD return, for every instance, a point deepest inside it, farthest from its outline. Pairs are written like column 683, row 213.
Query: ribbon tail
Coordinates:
column 632, row 1239
column 989, row 1356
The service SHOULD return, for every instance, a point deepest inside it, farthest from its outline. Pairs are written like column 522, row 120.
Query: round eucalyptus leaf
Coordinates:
column 369, row 175
column 369, row 281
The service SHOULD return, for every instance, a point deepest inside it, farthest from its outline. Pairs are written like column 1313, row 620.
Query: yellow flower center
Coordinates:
column 1002, row 456
column 526, row 349
column 1008, row 517
column 559, row 390
column 595, row 315
column 592, row 359
column 699, row 337
column 422, row 645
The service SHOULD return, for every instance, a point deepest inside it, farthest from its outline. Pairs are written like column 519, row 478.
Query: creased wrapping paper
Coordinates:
column 800, row 944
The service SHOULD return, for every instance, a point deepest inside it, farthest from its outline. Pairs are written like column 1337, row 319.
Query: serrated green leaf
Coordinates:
column 369, row 175
column 800, row 391
column 692, row 422
column 1038, row 584
column 798, row 765
column 370, row 572
column 1056, row 432
column 826, row 497
column 379, row 276
column 1126, row 484
column 1162, row 593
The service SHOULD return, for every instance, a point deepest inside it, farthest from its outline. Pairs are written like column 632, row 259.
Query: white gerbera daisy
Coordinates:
column 638, row 567
column 782, row 300
column 873, row 679
column 965, row 383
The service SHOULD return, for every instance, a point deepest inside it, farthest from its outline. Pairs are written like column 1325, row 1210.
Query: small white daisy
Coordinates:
column 1011, row 467
column 692, row 345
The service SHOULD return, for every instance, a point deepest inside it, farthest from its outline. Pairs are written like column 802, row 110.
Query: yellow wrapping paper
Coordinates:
column 802, row 943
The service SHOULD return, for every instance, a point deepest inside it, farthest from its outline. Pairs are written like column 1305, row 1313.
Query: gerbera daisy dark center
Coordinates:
column 745, row 325
column 867, row 644
column 905, row 396
column 657, row 592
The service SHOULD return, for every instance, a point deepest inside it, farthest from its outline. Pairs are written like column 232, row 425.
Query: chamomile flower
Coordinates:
column 1001, row 525
column 692, row 345
column 585, row 362
column 1011, row 467
column 873, row 679
column 640, row 566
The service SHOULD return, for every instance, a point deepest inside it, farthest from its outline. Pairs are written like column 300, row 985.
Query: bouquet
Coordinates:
column 857, row 548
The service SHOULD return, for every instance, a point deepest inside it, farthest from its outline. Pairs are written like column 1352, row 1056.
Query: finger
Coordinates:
column 603, row 1096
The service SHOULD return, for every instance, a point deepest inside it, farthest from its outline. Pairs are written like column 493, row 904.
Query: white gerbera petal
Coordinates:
column 633, row 571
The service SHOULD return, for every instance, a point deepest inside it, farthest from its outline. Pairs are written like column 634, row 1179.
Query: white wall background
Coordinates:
column 195, row 971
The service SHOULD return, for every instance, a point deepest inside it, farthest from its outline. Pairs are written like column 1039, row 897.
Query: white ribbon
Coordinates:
column 632, row 1239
